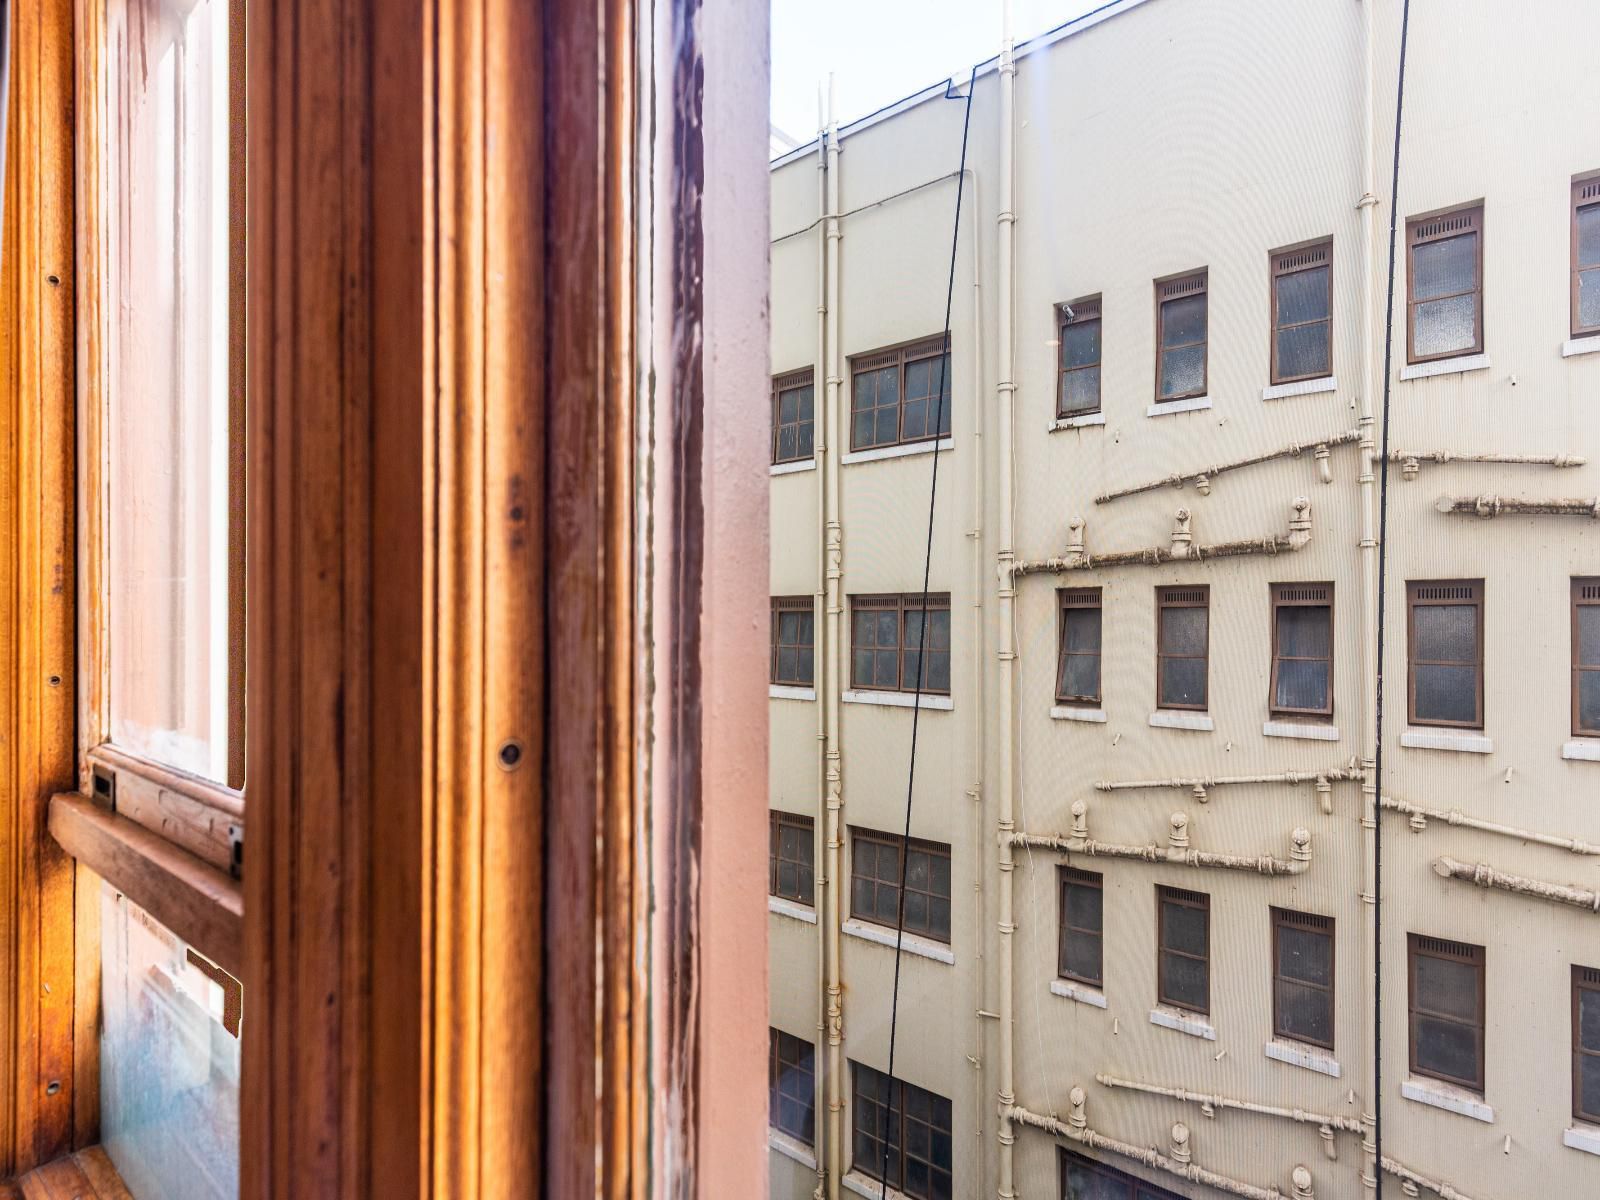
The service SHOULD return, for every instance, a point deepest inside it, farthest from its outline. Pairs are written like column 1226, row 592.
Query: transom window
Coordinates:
column 791, row 1085
column 1585, row 256
column 1446, row 1010
column 1444, row 285
column 899, row 395
column 1586, row 657
column 1082, row 922
column 1183, row 642
column 1302, row 313
column 1302, row 977
column 1078, row 671
column 1181, row 337
column 1079, row 388
column 875, row 883
column 1302, row 649
column 916, row 1126
column 1183, row 965
column 1446, row 653
column 886, row 643
column 793, row 416
column 790, row 849
column 793, row 640
column 1586, row 1044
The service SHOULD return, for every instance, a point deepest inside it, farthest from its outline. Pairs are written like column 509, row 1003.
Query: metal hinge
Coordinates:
column 236, row 851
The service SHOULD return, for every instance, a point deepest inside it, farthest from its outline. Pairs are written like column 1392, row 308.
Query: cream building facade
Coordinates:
column 1166, row 929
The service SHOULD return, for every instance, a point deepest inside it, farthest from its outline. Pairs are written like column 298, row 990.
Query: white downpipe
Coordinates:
column 1200, row 786
column 820, row 675
column 1176, row 853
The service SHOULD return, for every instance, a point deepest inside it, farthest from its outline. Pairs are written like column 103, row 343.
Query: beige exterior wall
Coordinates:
column 1179, row 134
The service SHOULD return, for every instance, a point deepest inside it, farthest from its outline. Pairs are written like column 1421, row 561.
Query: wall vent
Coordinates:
column 1074, row 875
column 1447, row 591
column 1080, row 597
column 1447, row 948
column 1183, row 596
column 1305, row 594
column 1176, row 893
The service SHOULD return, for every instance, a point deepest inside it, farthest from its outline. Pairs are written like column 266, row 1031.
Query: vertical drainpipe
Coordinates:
column 821, row 679
column 1007, row 396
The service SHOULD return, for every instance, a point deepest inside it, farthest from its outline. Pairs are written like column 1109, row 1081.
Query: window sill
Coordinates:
column 793, row 468
column 1169, row 718
column 1184, row 1022
column 1589, row 343
column 1306, row 730
column 1081, row 992
column 900, row 700
column 1168, row 407
column 1296, row 1054
column 1459, row 365
column 1582, row 1137
column 1448, row 1097
column 1582, row 750
column 784, row 691
column 1460, row 743
column 905, row 449
column 910, row 943
column 1301, row 387
column 862, row 1185
column 1068, row 712
column 1081, row 421
column 785, row 907
column 791, row 1147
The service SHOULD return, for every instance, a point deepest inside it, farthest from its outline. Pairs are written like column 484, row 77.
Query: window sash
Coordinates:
column 902, row 359
column 1288, row 263
column 1282, row 919
column 1132, row 1188
column 1441, row 227
column 1200, row 902
column 805, row 868
column 1170, row 292
column 1085, row 313
column 782, row 385
column 1585, row 198
column 1074, row 600
column 1584, row 979
column 888, row 887
column 1072, row 878
column 1472, row 596
column 1418, row 948
column 905, row 647
column 805, row 651
column 872, row 1126
column 1300, row 595
column 1585, row 596
column 791, row 1076
column 1167, row 599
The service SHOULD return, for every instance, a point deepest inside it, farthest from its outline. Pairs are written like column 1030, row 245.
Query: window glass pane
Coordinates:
column 1446, row 986
column 1589, row 298
column 1446, row 632
column 1080, row 390
column 1303, row 296
column 1447, row 694
column 1589, row 1020
column 1589, row 236
column 166, row 282
column 788, row 406
column 1589, row 699
column 1185, row 981
column 1589, row 635
column 1183, row 681
column 1183, row 371
column 1305, row 955
column 1183, row 321
column 1080, row 676
column 1303, row 350
column 1080, row 344
column 939, row 670
column 1086, row 1184
column 1304, row 1012
column 1445, row 325
column 1303, row 631
column 1083, row 628
column 1445, row 267
column 1302, row 685
column 1084, row 907
column 1183, row 631
column 1445, row 1048
column 1589, row 1084
column 1183, row 928
column 1083, row 955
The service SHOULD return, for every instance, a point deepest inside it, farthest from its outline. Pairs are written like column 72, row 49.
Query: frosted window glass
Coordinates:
column 1185, row 981
column 1589, row 236
column 1445, row 1048
column 1183, row 631
column 1303, row 296
column 1445, row 267
column 1302, row 685
column 1446, row 632
column 1589, row 298
column 1183, row 371
column 1448, row 987
column 1183, row 682
column 1080, row 344
column 1447, row 694
column 1445, row 325
column 1185, row 928
column 1305, row 955
column 1303, row 350
column 1183, row 321
column 1304, row 1012
column 1080, row 390
column 1589, row 635
column 1303, row 631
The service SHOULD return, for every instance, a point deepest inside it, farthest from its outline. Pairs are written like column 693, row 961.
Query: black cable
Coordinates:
column 922, row 634
column 1383, row 580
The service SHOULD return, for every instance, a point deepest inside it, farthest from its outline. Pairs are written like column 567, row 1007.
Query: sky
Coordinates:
column 883, row 50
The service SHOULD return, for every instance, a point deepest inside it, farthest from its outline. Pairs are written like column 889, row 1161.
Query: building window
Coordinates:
column 1181, row 337
column 896, row 395
column 789, row 850
column 791, row 1086
column 793, row 636
column 1078, row 671
column 1084, row 1179
column 875, row 883
column 1183, row 640
column 1302, row 977
column 794, row 407
column 1302, row 313
column 1082, row 918
column 914, row 1123
column 1183, row 968
column 1302, row 649
column 1585, row 256
column 1444, row 285
column 886, row 640
column 1079, row 389
column 1586, row 1044
column 1586, row 657
column 1446, row 1010
column 1446, row 653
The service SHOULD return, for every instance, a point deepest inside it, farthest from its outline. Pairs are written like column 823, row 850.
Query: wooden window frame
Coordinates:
column 1422, row 946
column 901, row 356
column 783, row 604
column 1283, row 918
column 1585, row 594
column 1284, row 595
column 1167, row 597
column 1584, row 979
column 1415, row 600
column 1186, row 898
column 1585, row 194
column 1308, row 256
column 1083, row 311
column 1068, row 878
column 1439, row 227
column 777, row 822
column 901, row 846
column 902, row 603
column 893, row 1130
column 1134, row 1187
column 1079, row 600
column 777, row 1067
column 789, row 381
column 1173, row 288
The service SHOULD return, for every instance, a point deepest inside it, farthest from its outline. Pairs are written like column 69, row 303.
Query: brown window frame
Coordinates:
column 781, row 1068
column 1287, row 918
column 1182, row 287
column 1300, row 595
column 1169, row 597
column 902, row 603
column 777, row 822
column 1584, row 979
column 1079, row 600
column 892, row 1128
column 1585, row 194
column 1083, row 311
column 1423, row 946
column 1068, row 878
column 1134, row 1188
column 934, row 850
column 787, row 382
column 902, row 356
column 1585, row 594
column 1185, row 898
column 785, row 604
column 1414, row 600
column 1309, row 256
column 1440, row 227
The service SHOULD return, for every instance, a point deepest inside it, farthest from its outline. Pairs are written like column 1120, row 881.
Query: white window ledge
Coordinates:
column 1311, row 1058
column 1170, row 718
column 791, row 468
column 1301, row 387
column 878, row 453
column 1440, row 739
column 1081, row 992
column 1080, row 421
column 1582, row 750
column 1582, row 1137
column 1307, row 730
column 1070, row 712
column 1184, row 1022
column 791, row 1147
column 1167, row 407
column 1571, row 349
column 910, row 943
column 1445, row 366
column 900, row 700
column 861, row 1185
column 784, row 691
column 1448, row 1097
column 785, row 907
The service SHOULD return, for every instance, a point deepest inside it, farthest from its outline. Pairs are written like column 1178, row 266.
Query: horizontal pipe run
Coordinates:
column 1399, row 1171
column 1486, row 876
column 1411, row 460
column 1203, row 477
column 1200, row 787
column 1210, row 1101
column 1494, row 506
column 1180, row 549
column 1420, row 817
column 1175, row 853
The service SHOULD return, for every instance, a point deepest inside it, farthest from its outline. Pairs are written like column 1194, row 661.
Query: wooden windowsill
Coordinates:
column 201, row 904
